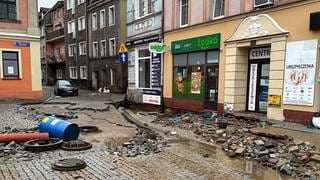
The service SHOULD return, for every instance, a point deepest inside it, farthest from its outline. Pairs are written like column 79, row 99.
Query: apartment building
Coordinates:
column 106, row 32
column 20, row 68
column 54, row 49
column 76, row 42
column 251, row 56
column 144, row 26
column 43, row 20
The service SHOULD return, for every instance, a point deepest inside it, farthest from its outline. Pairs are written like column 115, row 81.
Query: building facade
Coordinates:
column 43, row 20
column 55, row 65
column 243, row 56
column 76, row 42
column 144, row 26
column 106, row 31
column 20, row 69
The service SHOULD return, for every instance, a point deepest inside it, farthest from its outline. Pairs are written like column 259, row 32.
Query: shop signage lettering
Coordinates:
column 156, row 70
column 196, row 44
column 151, row 96
column 22, row 44
column 157, row 47
column 143, row 40
column 260, row 53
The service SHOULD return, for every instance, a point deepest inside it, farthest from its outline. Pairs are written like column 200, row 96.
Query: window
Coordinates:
column 10, row 64
column 112, row 16
column 81, row 23
column 57, row 52
column 94, row 21
column 103, row 48
column 73, row 73
column 102, row 18
column 218, row 8
column 183, row 12
column 70, row 4
column 144, row 68
column 83, row 72
column 59, row 73
column 8, row 9
column 71, row 50
column 80, row 2
column 95, row 49
column 112, row 47
column 71, row 27
column 82, row 48
column 145, row 7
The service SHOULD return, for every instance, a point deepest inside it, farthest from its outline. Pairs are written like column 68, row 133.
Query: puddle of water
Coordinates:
column 115, row 142
column 253, row 169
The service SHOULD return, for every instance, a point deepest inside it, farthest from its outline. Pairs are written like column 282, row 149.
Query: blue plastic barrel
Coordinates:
column 58, row 128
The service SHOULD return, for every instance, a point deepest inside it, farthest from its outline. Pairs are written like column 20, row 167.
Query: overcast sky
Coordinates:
column 46, row 3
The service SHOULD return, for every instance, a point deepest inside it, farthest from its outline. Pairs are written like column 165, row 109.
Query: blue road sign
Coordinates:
column 123, row 57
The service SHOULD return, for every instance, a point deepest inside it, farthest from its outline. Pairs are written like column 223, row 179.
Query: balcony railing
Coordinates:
column 55, row 59
column 55, row 35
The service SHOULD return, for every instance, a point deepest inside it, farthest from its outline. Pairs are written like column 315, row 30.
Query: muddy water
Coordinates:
column 252, row 169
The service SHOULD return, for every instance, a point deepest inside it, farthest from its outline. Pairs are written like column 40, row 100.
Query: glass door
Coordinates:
column 212, row 80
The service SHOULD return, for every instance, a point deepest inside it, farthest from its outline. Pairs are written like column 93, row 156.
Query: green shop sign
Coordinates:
column 201, row 43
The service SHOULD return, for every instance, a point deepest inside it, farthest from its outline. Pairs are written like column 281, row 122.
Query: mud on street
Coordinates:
column 119, row 150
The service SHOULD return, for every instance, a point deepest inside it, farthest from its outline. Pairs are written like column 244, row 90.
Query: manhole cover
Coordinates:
column 76, row 145
column 89, row 129
column 43, row 144
column 69, row 164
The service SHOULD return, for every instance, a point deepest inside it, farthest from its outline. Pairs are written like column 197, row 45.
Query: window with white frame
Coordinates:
column 8, row 9
column 103, row 48
column 183, row 12
column 80, row 2
column 83, row 72
column 59, row 73
column 70, row 4
column 102, row 18
column 82, row 48
column 73, row 73
column 145, row 7
column 112, row 47
column 144, row 68
column 71, row 50
column 112, row 16
column 81, row 23
column 218, row 8
column 95, row 49
column 71, row 27
column 94, row 21
column 11, row 63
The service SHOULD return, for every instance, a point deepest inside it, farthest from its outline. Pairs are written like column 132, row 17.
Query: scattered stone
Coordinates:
column 315, row 158
column 273, row 155
column 273, row 160
column 220, row 131
column 221, row 140
column 240, row 151
column 286, row 169
column 259, row 142
column 231, row 154
column 293, row 149
column 281, row 162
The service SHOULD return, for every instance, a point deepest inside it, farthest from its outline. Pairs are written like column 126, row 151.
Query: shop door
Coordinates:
column 258, row 86
column 212, row 79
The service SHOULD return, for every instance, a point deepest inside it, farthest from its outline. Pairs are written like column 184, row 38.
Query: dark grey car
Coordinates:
column 65, row 87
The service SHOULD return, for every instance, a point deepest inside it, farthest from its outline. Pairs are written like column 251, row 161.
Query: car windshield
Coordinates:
column 65, row 83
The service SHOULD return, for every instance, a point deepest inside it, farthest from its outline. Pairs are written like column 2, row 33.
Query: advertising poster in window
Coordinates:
column 252, row 87
column 195, row 82
column 300, row 72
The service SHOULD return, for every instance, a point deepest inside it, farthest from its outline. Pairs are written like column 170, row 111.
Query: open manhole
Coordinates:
column 71, row 164
column 89, row 129
column 43, row 144
column 76, row 145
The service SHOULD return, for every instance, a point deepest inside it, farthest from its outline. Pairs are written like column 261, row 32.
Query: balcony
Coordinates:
column 55, row 59
column 55, row 35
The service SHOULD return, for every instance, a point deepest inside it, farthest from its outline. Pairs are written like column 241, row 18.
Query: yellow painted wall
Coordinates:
column 293, row 18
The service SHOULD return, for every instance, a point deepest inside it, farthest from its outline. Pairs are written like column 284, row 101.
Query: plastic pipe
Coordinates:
column 22, row 137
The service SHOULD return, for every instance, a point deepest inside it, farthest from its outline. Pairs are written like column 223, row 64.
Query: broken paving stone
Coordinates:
column 233, row 147
column 315, row 158
column 259, row 142
column 286, row 169
column 263, row 158
column 221, row 140
column 220, row 131
column 274, row 155
column 240, row 151
column 261, row 153
column 231, row 154
column 281, row 162
column 273, row 160
column 293, row 149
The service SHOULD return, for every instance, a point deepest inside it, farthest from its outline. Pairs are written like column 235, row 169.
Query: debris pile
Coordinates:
column 250, row 138
column 14, row 150
column 144, row 143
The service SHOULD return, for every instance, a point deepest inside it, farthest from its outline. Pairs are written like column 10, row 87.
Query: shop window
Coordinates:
column 213, row 57
column 144, row 68
column 10, row 64
column 197, row 58
column 8, row 10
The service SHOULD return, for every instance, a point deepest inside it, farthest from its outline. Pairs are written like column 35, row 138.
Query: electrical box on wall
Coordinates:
column 315, row 21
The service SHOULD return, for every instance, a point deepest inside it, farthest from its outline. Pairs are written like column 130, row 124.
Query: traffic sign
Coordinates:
column 122, row 48
column 123, row 57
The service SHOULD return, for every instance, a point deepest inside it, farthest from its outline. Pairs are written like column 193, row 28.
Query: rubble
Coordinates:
column 245, row 137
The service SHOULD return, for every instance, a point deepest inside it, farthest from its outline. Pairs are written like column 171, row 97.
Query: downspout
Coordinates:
column 162, row 56
column 87, row 44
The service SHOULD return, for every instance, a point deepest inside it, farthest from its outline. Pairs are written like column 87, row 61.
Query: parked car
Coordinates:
column 65, row 87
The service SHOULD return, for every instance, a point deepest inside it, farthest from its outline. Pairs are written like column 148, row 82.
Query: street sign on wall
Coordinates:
column 123, row 57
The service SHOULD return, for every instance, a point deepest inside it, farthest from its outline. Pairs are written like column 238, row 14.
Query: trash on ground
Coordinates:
column 71, row 164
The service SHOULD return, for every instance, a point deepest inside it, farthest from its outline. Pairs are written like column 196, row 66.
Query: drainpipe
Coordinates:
column 87, row 43
column 162, row 56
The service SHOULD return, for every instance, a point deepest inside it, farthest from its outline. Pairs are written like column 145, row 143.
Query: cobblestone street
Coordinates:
column 182, row 159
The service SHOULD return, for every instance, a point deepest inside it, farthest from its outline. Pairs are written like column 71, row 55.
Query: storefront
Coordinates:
column 196, row 71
